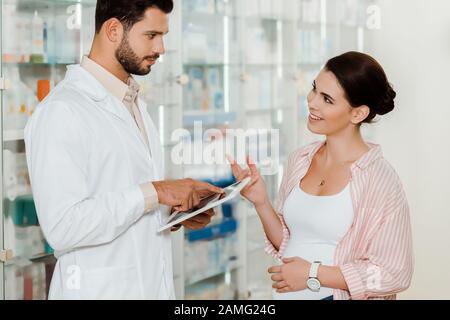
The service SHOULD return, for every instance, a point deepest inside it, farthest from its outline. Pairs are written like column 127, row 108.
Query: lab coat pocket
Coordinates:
column 115, row 283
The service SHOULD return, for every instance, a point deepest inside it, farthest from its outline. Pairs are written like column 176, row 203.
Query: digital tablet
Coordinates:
column 206, row 204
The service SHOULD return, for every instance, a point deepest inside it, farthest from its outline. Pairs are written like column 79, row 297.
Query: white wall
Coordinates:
column 413, row 45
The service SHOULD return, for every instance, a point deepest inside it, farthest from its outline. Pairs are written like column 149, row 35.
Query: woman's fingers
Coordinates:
column 253, row 182
column 280, row 285
column 241, row 173
column 277, row 277
column 254, row 172
column 253, row 168
column 230, row 158
column 284, row 290
column 245, row 173
column 235, row 167
column 274, row 269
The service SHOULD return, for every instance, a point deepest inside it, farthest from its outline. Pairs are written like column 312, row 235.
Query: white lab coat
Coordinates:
column 86, row 159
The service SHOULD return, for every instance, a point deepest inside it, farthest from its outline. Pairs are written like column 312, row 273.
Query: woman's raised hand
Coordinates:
column 255, row 191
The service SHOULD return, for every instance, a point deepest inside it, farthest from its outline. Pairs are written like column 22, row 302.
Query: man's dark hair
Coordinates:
column 128, row 12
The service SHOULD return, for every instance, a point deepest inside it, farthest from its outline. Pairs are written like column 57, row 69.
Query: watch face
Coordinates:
column 313, row 285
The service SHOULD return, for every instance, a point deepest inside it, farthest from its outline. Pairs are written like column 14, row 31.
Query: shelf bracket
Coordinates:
column 6, row 255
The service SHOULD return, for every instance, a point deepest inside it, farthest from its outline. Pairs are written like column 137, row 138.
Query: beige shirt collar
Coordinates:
column 114, row 85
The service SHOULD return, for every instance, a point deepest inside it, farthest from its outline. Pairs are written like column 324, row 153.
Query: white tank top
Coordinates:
column 316, row 224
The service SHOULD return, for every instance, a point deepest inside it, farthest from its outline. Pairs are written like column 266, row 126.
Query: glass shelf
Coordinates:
column 43, row 64
column 205, row 65
column 318, row 25
column 310, row 64
column 13, row 135
column 272, row 18
column 45, row 4
column 32, row 62
column 211, row 273
column 255, row 111
column 208, row 118
column 216, row 17
column 43, row 257
column 223, row 286
column 271, row 65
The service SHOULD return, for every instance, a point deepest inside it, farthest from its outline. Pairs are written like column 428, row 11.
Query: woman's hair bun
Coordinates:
column 387, row 103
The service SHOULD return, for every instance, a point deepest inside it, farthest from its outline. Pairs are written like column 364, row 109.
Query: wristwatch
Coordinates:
column 313, row 282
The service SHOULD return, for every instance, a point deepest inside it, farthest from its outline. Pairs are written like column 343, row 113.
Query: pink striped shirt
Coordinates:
column 375, row 256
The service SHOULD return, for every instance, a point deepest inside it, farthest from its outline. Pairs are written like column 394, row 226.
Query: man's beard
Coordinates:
column 130, row 61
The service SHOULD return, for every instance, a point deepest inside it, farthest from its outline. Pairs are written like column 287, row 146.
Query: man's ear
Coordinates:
column 114, row 30
column 360, row 114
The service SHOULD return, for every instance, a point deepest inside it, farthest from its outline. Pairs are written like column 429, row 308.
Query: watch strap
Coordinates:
column 313, row 272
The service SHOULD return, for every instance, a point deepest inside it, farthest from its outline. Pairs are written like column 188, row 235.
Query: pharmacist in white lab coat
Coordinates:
column 96, row 166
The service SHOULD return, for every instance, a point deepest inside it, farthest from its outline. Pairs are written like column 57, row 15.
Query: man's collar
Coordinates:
column 112, row 84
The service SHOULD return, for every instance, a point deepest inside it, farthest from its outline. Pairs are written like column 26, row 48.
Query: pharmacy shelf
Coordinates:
column 270, row 18
column 22, row 193
column 209, row 16
column 13, row 135
column 207, row 65
column 43, row 257
column 291, row 65
column 211, row 273
column 310, row 64
column 219, row 16
column 317, row 25
column 257, row 111
column 256, row 247
column 31, row 5
column 208, row 118
column 38, row 64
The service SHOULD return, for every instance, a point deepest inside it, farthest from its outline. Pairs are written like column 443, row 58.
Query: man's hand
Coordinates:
column 198, row 222
column 183, row 195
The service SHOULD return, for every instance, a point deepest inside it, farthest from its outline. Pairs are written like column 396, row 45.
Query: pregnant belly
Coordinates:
column 310, row 252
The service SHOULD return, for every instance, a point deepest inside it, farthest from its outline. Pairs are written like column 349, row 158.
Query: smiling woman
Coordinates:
column 341, row 227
